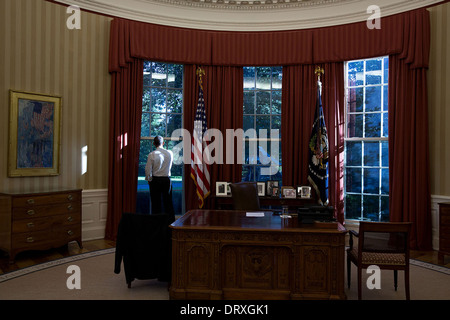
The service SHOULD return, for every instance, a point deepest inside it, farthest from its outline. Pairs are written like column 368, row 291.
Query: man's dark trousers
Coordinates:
column 161, row 194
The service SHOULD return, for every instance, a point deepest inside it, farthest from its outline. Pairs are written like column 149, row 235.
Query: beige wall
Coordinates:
column 40, row 54
column 439, row 100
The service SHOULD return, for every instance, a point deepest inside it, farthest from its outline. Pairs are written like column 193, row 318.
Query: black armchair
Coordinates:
column 144, row 245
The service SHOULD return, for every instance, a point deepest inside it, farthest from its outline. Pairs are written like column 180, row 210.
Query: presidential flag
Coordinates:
column 200, row 167
column 318, row 154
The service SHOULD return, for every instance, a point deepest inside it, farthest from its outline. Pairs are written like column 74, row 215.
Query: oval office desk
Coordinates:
column 224, row 254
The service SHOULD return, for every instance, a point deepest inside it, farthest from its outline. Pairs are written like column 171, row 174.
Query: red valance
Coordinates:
column 406, row 34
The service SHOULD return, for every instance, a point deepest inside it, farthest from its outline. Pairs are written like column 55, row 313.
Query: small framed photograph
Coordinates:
column 261, row 188
column 270, row 185
column 275, row 192
column 305, row 192
column 229, row 189
column 288, row 192
column 221, row 188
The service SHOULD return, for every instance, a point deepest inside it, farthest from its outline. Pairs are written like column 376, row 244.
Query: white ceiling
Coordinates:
column 247, row 15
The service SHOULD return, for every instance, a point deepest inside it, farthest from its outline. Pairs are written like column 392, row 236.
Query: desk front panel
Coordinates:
column 265, row 262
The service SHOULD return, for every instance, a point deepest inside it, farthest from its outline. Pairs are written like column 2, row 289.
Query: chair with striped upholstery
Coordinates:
column 383, row 244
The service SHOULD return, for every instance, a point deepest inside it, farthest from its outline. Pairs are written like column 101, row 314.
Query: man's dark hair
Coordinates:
column 158, row 141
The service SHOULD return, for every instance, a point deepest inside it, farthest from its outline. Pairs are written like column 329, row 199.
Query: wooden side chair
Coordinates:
column 384, row 244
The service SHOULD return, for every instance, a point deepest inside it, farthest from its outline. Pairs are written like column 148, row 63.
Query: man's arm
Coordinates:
column 148, row 169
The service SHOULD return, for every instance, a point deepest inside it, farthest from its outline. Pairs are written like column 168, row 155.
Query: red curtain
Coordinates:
column 298, row 106
column 125, row 130
column 409, row 185
column 223, row 95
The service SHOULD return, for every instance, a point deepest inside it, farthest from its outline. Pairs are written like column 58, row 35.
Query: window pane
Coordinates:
column 384, row 209
column 386, row 70
column 355, row 125
column 353, row 153
column 355, row 73
column 385, row 181
column 276, row 123
column 175, row 76
column 147, row 73
column 174, row 121
column 159, row 72
column 385, row 98
column 262, row 102
column 371, row 207
column 373, row 99
column 277, row 75
column 373, row 125
column 158, row 100
column 385, row 124
column 249, row 122
column 353, row 206
column 355, row 99
column 145, row 125
column 372, row 154
column 371, row 181
column 263, row 122
column 248, row 173
column 276, row 102
column 385, row 154
column 174, row 101
column 263, row 78
column 158, row 125
column 249, row 77
column 249, row 102
column 353, row 180
column 373, row 71
column 146, row 100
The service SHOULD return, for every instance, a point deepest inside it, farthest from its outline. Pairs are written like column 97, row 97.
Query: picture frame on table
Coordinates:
column 221, row 188
column 304, row 192
column 261, row 188
column 270, row 185
column 34, row 134
column 288, row 192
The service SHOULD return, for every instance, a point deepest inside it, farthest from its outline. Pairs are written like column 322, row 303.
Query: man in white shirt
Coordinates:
column 157, row 173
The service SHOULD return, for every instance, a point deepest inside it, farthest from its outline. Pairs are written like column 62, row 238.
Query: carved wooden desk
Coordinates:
column 220, row 254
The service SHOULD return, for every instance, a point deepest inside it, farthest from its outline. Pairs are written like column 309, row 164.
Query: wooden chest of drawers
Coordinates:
column 39, row 221
column 444, row 231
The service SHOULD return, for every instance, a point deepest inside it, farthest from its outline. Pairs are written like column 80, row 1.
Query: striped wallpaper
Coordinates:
column 40, row 54
column 439, row 99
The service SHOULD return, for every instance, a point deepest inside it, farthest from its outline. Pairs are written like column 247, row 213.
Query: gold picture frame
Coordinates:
column 34, row 134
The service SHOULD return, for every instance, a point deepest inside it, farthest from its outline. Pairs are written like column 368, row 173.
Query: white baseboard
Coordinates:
column 94, row 206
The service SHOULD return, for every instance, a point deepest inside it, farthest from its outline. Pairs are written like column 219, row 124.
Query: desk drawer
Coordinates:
column 45, row 210
column 36, row 200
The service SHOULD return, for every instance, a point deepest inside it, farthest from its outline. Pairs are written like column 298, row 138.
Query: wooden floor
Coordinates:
column 29, row 258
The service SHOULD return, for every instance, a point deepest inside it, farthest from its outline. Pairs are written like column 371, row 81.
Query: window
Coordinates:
column 262, row 110
column 366, row 164
column 162, row 113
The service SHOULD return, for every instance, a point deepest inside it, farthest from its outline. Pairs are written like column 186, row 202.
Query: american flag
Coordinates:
column 200, row 168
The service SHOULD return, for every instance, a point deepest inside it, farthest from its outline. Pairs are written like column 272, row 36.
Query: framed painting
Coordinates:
column 34, row 134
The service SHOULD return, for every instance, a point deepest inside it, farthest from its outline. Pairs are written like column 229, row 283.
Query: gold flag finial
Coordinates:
column 200, row 72
column 318, row 71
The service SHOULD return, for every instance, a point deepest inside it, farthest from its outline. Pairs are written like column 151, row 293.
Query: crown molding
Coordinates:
column 247, row 15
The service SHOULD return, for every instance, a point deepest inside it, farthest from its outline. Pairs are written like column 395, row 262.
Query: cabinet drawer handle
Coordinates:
column 70, row 197
column 70, row 233
column 31, row 212
column 30, row 239
column 30, row 201
column 70, row 219
column 69, row 207
column 30, row 224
